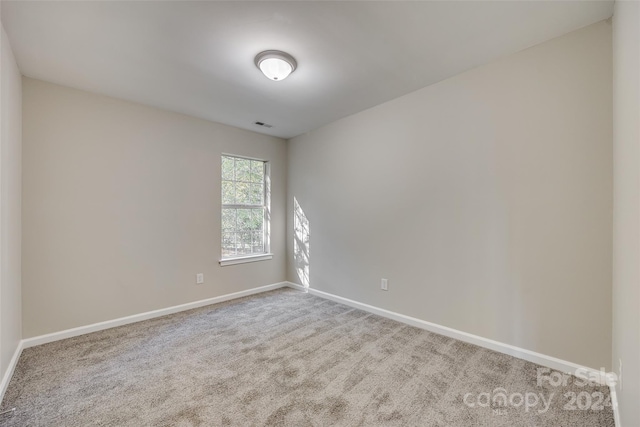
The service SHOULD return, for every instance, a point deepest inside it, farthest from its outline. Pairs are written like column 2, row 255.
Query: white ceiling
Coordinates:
column 197, row 57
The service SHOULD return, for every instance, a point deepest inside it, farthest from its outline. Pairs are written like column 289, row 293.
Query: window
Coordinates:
column 245, row 210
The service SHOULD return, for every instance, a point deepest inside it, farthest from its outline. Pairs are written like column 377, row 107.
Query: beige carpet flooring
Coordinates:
column 282, row 358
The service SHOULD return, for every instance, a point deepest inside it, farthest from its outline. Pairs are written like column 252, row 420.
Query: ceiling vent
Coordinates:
column 264, row 125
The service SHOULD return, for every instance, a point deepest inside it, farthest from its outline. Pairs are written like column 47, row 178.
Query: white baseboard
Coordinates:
column 10, row 369
column 298, row 287
column 521, row 353
column 56, row 336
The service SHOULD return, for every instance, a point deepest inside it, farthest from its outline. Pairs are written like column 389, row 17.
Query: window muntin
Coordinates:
column 244, row 207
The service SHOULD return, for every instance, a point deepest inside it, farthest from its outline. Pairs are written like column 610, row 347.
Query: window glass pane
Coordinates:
column 227, row 168
column 256, row 191
column 257, row 220
column 243, row 242
column 243, row 193
column 257, row 171
column 244, row 219
column 228, row 244
column 243, row 170
column 228, row 193
column 228, row 220
column 258, row 244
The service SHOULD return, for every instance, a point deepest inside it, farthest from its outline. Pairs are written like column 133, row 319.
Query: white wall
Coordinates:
column 121, row 208
column 485, row 200
column 626, row 207
column 10, row 202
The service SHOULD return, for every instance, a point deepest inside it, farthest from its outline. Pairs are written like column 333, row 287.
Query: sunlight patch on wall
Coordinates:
column 301, row 243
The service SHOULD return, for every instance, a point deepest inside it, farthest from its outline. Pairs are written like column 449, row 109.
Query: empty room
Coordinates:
column 320, row 213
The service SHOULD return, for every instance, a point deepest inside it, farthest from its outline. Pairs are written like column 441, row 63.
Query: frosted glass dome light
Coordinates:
column 275, row 65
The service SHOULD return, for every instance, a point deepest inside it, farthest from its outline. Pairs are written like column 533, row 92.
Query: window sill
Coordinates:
column 244, row 259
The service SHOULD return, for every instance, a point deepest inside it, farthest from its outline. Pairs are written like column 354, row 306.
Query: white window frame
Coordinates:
column 263, row 256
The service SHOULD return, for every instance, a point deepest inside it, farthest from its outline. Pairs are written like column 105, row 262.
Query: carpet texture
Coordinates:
column 286, row 358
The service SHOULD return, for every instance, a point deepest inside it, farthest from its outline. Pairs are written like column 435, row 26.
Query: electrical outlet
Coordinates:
column 199, row 279
column 384, row 284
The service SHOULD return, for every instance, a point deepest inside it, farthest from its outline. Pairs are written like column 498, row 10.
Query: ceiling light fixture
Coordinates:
column 276, row 65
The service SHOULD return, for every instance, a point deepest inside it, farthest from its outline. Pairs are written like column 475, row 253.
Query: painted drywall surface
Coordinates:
column 10, row 202
column 121, row 208
column 626, row 207
column 485, row 200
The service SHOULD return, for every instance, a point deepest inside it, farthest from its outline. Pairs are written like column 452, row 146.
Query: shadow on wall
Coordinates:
column 301, row 243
